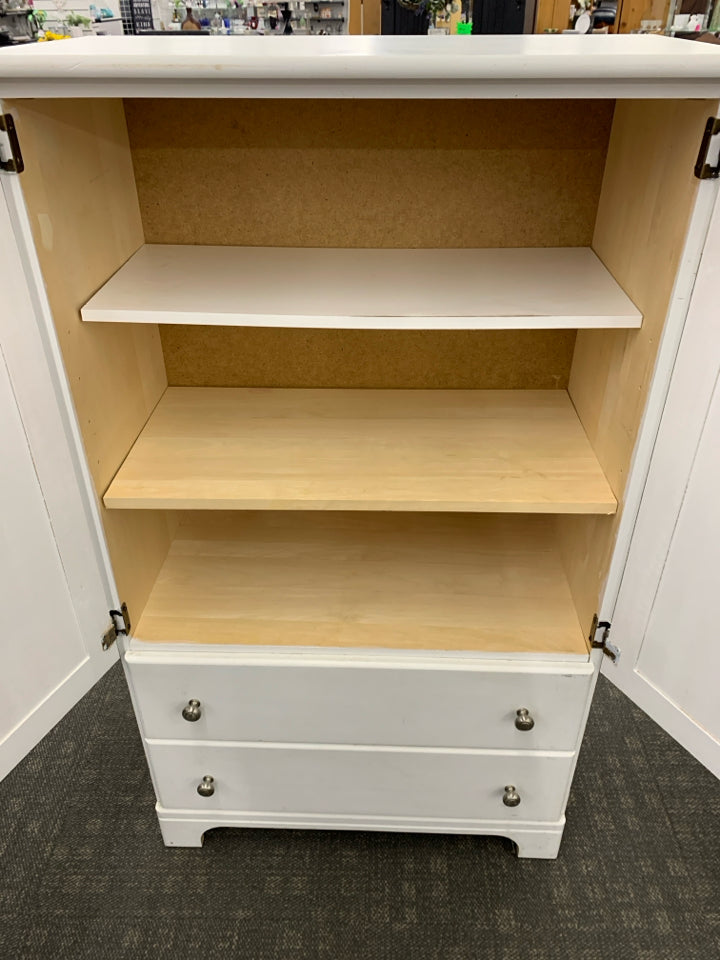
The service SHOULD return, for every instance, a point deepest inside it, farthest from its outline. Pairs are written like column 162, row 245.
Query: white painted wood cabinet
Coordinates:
column 365, row 459
column 383, row 702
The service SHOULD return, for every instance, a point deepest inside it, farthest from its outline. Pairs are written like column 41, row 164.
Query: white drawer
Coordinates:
column 370, row 781
column 401, row 706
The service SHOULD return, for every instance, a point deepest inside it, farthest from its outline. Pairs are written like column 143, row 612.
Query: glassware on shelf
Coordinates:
column 190, row 23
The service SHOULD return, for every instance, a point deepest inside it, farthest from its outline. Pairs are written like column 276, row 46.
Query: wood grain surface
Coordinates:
column 81, row 199
column 486, row 451
column 640, row 233
column 372, row 580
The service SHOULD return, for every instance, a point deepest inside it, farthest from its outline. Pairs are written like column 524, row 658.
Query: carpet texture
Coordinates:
column 85, row 874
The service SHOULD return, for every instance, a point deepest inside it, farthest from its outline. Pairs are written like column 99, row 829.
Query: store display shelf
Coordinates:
column 443, row 289
column 511, row 451
column 451, row 583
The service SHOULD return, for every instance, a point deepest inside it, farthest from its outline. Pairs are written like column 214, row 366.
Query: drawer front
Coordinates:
column 366, row 781
column 361, row 705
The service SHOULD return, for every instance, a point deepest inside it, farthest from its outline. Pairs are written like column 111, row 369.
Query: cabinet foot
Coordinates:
column 186, row 828
column 182, row 833
column 537, row 844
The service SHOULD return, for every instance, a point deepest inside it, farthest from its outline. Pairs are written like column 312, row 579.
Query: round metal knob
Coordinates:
column 511, row 798
column 523, row 720
column 192, row 711
column 207, row 787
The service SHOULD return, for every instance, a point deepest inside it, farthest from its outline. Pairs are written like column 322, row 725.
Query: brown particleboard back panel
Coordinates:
column 378, row 173
column 79, row 189
column 642, row 222
column 368, row 174
column 267, row 357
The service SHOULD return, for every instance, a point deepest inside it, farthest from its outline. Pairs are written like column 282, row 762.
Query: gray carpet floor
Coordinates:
column 85, row 874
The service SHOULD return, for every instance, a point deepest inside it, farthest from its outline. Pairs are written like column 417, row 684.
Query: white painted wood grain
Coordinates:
column 360, row 781
column 362, row 704
column 186, row 828
column 40, row 640
column 40, row 383
column 327, row 67
column 55, row 586
column 677, row 655
column 665, row 616
column 464, row 289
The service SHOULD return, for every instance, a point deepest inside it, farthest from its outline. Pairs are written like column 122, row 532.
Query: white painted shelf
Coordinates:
column 355, row 66
column 453, row 289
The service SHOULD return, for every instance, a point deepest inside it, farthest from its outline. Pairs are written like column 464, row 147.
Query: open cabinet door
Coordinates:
column 665, row 619
column 56, row 586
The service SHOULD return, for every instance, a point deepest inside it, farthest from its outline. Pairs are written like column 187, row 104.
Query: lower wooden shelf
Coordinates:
column 448, row 582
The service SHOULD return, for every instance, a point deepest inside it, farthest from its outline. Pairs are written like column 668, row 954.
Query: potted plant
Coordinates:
column 38, row 18
column 177, row 14
column 77, row 24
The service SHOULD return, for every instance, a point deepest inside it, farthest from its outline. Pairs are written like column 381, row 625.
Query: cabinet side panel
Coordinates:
column 645, row 205
column 82, row 203
column 353, row 173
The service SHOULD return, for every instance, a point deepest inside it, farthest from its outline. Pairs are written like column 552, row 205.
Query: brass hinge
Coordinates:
column 15, row 164
column 120, row 626
column 602, row 642
column 703, row 169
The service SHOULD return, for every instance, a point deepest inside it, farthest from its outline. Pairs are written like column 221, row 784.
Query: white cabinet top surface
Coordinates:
column 377, row 67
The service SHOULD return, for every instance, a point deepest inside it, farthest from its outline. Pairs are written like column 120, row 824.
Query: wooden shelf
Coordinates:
column 491, row 584
column 563, row 287
column 503, row 451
